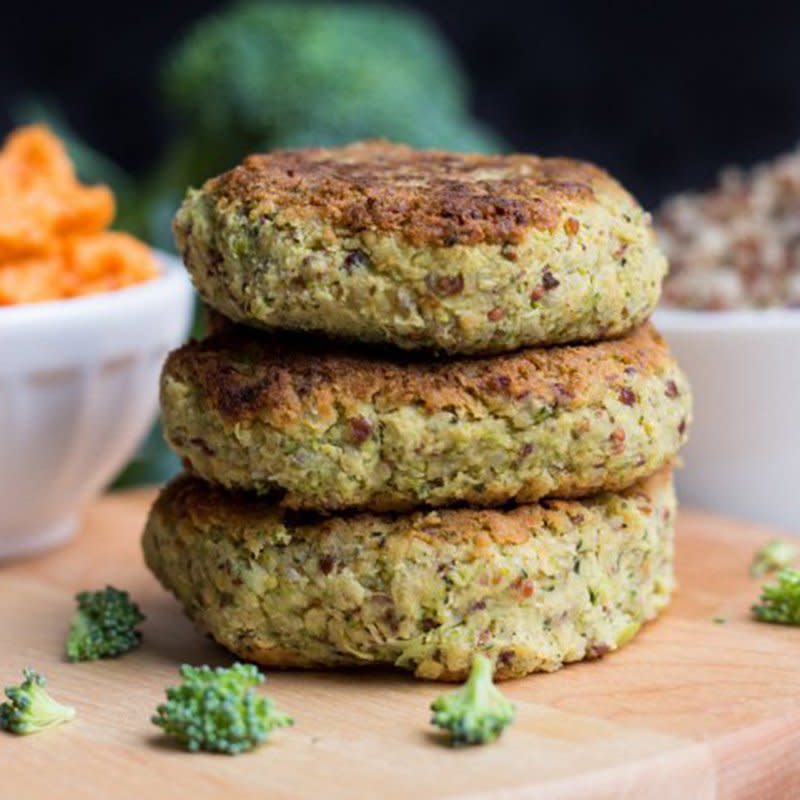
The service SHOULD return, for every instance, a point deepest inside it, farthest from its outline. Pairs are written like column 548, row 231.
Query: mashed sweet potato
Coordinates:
column 53, row 238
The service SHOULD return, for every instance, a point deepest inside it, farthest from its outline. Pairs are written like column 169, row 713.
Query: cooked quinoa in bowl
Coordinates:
column 736, row 246
column 730, row 314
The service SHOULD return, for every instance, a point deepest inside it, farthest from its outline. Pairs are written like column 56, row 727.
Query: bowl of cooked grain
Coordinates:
column 731, row 316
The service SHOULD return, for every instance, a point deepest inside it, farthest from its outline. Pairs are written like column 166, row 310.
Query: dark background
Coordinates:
column 662, row 94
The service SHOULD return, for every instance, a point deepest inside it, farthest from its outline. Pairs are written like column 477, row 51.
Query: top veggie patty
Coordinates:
column 329, row 429
column 422, row 249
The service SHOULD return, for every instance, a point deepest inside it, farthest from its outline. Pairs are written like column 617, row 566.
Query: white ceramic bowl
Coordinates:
column 743, row 456
column 78, row 392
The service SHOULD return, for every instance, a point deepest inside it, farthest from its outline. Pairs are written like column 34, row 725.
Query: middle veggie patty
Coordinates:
column 326, row 429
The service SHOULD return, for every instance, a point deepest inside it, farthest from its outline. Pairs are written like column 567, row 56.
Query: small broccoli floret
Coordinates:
column 104, row 625
column 773, row 556
column 476, row 713
column 30, row 708
column 780, row 601
column 218, row 710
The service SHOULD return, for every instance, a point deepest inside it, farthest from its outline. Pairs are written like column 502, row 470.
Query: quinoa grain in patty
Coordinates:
column 738, row 244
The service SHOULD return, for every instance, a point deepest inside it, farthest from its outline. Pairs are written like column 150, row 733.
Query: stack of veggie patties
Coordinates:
column 431, row 419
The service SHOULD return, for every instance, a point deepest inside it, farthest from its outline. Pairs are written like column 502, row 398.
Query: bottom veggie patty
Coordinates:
column 532, row 587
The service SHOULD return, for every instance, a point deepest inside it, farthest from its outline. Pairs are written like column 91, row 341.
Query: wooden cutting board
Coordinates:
column 691, row 709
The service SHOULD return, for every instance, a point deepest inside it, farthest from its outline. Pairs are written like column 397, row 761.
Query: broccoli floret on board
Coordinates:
column 477, row 713
column 104, row 626
column 218, row 710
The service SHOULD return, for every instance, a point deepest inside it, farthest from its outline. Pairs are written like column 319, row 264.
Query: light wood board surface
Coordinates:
column 691, row 709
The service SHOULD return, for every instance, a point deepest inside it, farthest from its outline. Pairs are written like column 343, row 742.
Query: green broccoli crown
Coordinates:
column 261, row 75
column 30, row 708
column 780, row 600
column 218, row 710
column 477, row 713
column 773, row 556
column 104, row 625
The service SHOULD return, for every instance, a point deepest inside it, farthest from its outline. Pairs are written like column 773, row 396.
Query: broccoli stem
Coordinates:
column 477, row 713
column 773, row 556
column 43, row 712
column 30, row 708
column 479, row 689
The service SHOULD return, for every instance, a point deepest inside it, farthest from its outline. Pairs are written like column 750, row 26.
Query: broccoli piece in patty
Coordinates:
column 477, row 713
column 30, row 709
column 773, row 556
column 780, row 600
column 218, row 710
column 104, row 625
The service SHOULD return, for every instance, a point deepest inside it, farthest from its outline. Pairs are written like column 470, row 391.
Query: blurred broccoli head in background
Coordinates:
column 264, row 75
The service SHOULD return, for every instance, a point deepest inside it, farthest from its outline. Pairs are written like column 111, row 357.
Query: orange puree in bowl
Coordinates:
column 53, row 238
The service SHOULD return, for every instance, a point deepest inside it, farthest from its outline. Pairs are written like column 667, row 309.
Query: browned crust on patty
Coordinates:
column 281, row 658
column 428, row 197
column 244, row 375
column 241, row 513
